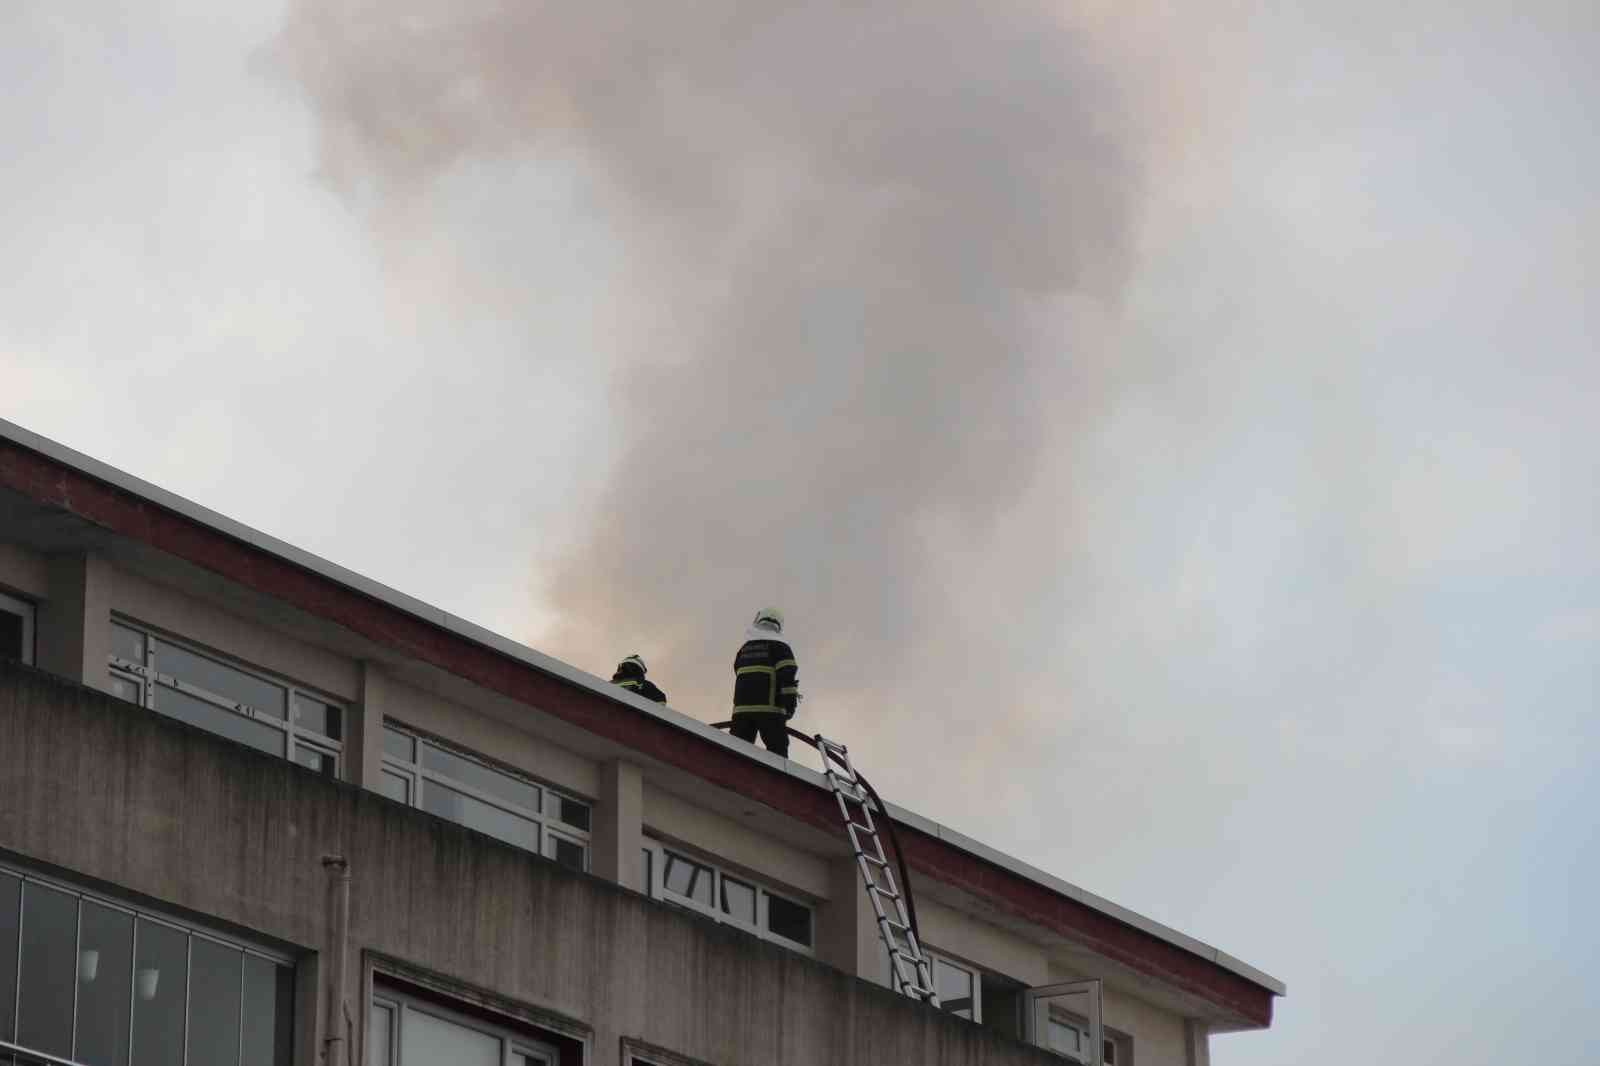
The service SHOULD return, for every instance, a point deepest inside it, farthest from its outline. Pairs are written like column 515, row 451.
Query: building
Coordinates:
column 258, row 809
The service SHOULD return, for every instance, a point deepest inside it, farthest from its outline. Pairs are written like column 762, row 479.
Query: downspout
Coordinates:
column 336, row 1051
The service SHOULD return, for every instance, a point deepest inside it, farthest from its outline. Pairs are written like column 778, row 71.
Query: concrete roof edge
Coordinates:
column 538, row 660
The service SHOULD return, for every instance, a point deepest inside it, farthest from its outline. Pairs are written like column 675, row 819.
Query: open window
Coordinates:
column 16, row 629
column 1065, row 1019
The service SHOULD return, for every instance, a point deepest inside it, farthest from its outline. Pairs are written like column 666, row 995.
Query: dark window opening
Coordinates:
column 789, row 920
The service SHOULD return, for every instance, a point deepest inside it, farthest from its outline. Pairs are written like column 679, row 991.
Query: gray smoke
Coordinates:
column 864, row 243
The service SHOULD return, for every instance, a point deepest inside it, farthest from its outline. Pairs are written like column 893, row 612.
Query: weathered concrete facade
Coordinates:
column 101, row 791
column 95, row 555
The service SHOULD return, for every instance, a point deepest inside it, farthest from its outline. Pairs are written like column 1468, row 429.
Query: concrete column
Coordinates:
column 1197, row 1041
column 847, row 930
column 617, row 835
column 363, row 739
column 74, row 620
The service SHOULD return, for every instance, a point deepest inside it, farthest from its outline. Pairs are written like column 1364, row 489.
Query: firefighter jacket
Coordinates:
column 765, row 676
column 630, row 677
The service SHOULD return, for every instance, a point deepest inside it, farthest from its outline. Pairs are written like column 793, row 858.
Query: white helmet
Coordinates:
column 769, row 618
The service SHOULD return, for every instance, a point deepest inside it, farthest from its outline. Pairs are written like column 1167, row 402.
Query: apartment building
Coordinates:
column 256, row 809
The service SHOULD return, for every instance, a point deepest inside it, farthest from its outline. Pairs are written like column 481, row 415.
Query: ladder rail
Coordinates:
column 900, row 933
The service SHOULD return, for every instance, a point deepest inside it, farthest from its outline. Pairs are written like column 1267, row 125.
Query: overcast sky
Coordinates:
column 1173, row 437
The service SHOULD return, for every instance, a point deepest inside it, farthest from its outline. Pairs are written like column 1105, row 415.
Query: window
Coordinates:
column 403, row 1032
column 1069, row 1036
column 727, row 897
column 235, row 701
column 1065, row 1019
column 640, row 1053
column 93, row 981
column 16, row 629
column 459, row 786
column 959, row 988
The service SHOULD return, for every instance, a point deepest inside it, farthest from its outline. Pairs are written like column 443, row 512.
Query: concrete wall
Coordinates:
column 201, row 623
column 1160, row 1038
column 112, row 794
column 480, row 733
column 758, row 854
column 24, row 572
column 76, row 595
column 962, row 936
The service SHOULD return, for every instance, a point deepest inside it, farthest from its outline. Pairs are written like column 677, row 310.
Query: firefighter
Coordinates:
column 630, row 675
column 765, row 684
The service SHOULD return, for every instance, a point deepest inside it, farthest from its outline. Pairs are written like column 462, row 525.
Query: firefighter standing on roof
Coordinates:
column 630, row 675
column 765, row 684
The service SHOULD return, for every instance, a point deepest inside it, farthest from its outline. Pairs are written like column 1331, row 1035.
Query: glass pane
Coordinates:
column 399, row 745
column 127, row 643
column 476, row 814
column 218, row 678
column 126, row 688
column 429, row 1040
column 105, row 978
column 500, row 785
column 380, row 1031
column 213, row 1003
column 210, row 717
column 10, row 901
column 566, row 852
column 268, row 1013
column 1064, row 1038
column 789, row 920
column 11, row 635
column 571, row 811
column 688, row 878
column 317, row 716
column 738, row 900
column 315, row 759
column 395, row 786
column 49, row 969
column 954, row 986
column 649, row 871
column 160, row 979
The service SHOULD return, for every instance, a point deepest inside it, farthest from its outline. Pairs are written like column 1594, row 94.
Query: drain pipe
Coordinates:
column 335, row 1052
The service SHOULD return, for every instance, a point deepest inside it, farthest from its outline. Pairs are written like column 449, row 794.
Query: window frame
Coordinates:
column 137, row 913
column 28, row 612
column 551, row 828
column 147, row 679
column 937, row 958
column 659, row 851
column 399, row 1004
column 1116, row 1039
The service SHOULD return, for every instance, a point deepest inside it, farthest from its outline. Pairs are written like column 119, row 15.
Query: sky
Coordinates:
column 1169, row 432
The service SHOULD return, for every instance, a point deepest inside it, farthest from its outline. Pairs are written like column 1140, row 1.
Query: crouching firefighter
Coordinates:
column 630, row 675
column 765, row 684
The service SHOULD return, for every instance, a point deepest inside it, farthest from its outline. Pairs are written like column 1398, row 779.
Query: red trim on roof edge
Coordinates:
column 47, row 481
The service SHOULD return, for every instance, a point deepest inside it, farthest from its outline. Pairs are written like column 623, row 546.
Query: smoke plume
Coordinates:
column 867, row 245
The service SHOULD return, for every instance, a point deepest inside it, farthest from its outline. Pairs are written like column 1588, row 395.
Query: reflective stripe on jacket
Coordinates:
column 765, row 678
column 634, row 681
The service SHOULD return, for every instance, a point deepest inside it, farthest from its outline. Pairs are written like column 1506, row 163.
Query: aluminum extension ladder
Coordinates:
column 913, row 974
